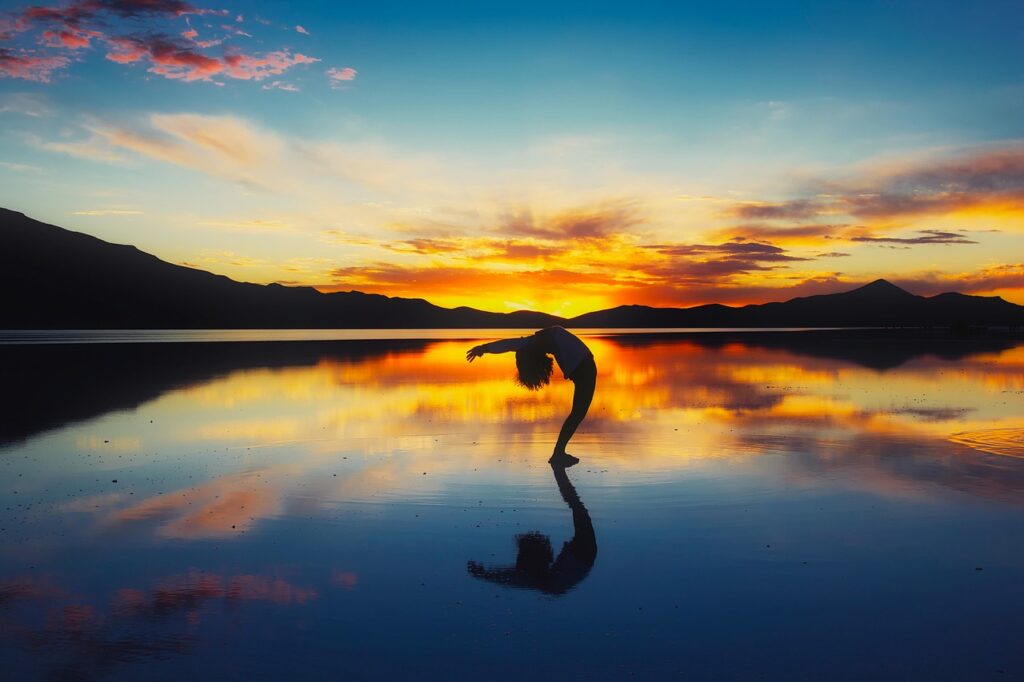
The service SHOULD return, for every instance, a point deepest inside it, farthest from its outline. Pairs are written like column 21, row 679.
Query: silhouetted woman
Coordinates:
column 533, row 364
column 536, row 565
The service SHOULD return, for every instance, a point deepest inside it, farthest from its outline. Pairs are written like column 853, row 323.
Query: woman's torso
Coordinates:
column 568, row 349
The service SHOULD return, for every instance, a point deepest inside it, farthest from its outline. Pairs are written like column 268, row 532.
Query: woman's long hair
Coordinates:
column 533, row 367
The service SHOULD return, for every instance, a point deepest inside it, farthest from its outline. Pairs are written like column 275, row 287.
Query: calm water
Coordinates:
column 790, row 507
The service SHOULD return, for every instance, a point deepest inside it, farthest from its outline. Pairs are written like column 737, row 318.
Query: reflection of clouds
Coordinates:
column 83, row 638
column 222, row 507
column 344, row 579
column 192, row 591
column 94, row 502
column 405, row 412
column 891, row 465
column 26, row 587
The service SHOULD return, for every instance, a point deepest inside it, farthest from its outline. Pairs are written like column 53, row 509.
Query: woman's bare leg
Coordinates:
column 583, row 393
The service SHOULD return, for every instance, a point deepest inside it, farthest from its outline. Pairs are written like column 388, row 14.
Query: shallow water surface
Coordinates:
column 746, row 508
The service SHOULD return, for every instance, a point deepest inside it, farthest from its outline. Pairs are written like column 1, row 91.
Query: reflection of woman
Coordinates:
column 534, row 565
column 533, row 364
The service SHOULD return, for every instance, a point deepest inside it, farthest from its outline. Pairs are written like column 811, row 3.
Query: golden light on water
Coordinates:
column 340, row 428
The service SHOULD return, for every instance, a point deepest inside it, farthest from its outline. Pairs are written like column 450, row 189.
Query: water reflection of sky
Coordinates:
column 169, row 512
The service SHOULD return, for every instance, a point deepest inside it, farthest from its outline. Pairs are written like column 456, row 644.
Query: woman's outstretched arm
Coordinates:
column 503, row 346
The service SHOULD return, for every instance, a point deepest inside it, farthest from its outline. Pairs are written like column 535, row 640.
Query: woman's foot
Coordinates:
column 563, row 459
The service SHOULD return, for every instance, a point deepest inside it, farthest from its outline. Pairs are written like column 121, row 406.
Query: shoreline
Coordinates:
column 70, row 337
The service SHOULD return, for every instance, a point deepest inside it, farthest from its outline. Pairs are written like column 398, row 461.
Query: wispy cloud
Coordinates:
column 91, row 148
column 281, row 85
column 20, row 167
column 988, row 280
column 254, row 225
column 919, row 187
column 923, row 237
column 28, row 66
column 339, row 77
column 579, row 223
column 25, row 104
column 805, row 234
column 241, row 151
column 108, row 212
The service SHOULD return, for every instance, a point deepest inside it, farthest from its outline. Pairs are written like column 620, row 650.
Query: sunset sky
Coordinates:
column 562, row 157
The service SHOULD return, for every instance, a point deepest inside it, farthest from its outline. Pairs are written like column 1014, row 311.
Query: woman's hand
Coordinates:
column 475, row 352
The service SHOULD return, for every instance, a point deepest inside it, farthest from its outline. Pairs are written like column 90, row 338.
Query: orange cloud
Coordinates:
column 990, row 280
column 935, row 186
column 580, row 223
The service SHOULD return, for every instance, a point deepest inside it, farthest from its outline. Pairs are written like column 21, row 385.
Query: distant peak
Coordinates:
column 883, row 285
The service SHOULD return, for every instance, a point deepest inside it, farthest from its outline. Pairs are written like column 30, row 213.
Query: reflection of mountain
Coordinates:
column 48, row 386
column 871, row 348
column 68, row 280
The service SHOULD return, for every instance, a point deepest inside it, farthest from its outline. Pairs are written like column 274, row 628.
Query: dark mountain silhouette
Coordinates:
column 877, row 304
column 52, row 278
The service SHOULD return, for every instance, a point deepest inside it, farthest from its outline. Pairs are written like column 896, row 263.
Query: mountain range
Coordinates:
column 53, row 278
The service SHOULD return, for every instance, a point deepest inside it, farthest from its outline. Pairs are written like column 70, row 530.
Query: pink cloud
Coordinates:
column 126, row 51
column 231, row 28
column 339, row 76
column 179, row 62
column 28, row 66
column 303, row 31
column 172, row 61
column 84, row 10
column 72, row 27
column 10, row 27
column 71, row 39
column 251, row 67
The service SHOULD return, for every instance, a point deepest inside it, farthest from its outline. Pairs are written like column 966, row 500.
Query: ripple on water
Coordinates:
column 1007, row 442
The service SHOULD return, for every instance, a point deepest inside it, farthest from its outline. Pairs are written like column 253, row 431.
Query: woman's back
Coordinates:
column 568, row 349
